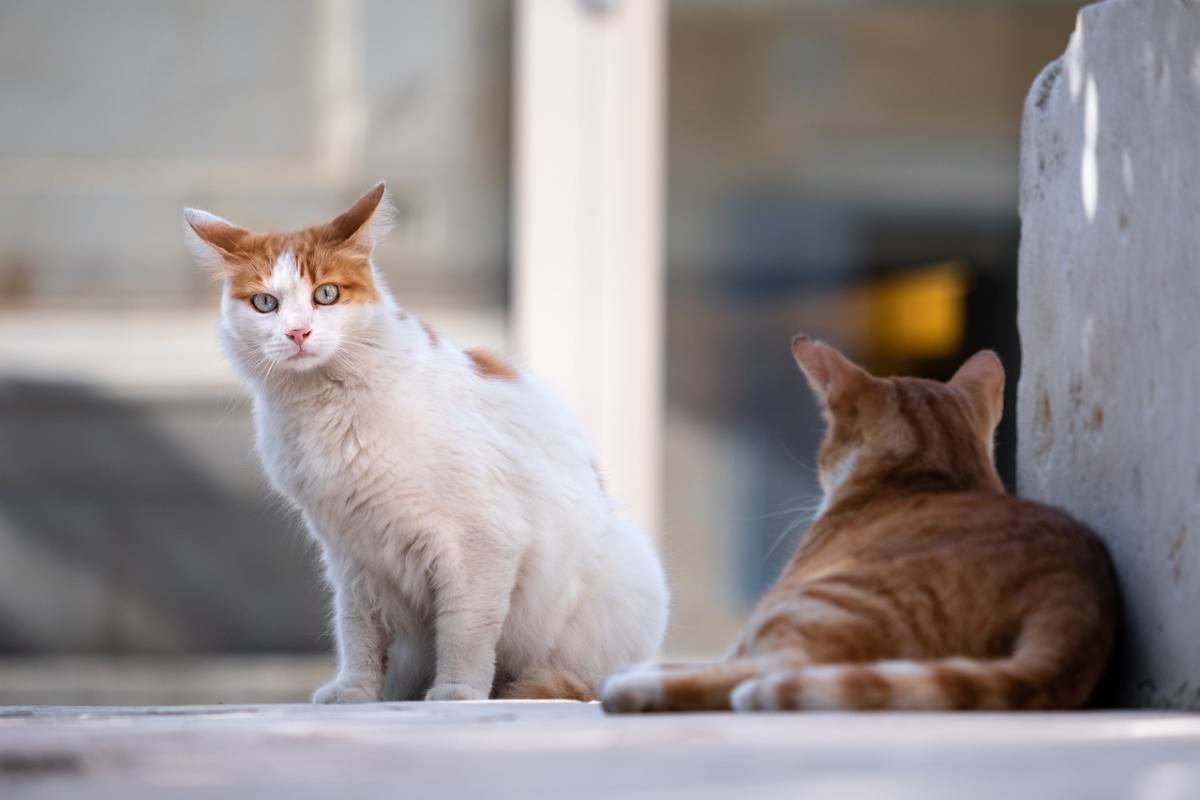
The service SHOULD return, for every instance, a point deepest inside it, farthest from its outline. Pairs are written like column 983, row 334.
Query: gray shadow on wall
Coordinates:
column 93, row 484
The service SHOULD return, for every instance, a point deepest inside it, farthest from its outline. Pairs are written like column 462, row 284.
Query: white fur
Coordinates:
column 912, row 687
column 818, row 687
column 458, row 515
column 759, row 694
column 821, row 687
column 832, row 479
column 205, row 253
column 751, row 695
column 636, row 689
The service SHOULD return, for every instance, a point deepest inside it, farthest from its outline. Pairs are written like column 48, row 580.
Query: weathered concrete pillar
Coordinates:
column 1109, row 399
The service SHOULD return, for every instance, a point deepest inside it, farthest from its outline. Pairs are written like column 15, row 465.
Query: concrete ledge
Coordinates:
column 563, row 749
column 161, row 680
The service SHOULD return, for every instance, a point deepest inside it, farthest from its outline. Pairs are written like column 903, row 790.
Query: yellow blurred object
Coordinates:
column 917, row 315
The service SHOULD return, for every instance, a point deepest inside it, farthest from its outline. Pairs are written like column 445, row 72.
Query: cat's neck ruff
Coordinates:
column 833, row 479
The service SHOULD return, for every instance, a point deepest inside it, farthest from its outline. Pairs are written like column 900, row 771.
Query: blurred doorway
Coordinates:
column 848, row 170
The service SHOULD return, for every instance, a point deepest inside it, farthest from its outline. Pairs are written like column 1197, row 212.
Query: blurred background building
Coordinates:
column 843, row 168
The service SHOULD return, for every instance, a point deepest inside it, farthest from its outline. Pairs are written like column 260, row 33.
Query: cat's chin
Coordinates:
column 300, row 362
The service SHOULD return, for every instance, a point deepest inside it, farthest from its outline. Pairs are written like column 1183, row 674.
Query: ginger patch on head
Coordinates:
column 337, row 252
column 317, row 262
column 350, row 271
column 489, row 365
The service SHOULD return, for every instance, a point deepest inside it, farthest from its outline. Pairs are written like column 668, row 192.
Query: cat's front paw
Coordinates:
column 338, row 692
column 454, row 691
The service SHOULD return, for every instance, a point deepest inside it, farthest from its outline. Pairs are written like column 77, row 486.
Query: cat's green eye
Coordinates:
column 326, row 294
column 264, row 303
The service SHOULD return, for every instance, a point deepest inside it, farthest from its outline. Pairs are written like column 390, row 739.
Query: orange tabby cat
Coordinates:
column 921, row 585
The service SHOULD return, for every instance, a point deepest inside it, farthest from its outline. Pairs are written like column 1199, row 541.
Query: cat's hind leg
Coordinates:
column 547, row 683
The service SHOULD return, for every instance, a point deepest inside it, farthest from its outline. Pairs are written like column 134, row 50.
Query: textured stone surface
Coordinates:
column 1109, row 299
column 564, row 749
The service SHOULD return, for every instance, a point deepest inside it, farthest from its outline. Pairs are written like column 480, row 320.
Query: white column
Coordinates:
column 587, row 225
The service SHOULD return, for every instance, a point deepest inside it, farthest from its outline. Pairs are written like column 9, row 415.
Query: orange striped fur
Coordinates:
column 547, row 684
column 922, row 585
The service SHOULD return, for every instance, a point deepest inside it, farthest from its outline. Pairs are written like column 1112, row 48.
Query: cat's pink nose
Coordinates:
column 298, row 335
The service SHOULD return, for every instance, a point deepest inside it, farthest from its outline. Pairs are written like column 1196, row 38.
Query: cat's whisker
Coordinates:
column 796, row 459
column 804, row 519
column 792, row 508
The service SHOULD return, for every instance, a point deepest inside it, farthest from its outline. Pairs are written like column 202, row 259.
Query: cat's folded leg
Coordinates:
column 362, row 651
column 472, row 604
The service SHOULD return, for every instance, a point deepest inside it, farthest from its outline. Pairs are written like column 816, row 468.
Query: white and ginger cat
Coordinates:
column 456, row 503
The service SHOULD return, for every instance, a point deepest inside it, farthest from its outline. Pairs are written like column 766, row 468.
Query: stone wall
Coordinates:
column 1109, row 304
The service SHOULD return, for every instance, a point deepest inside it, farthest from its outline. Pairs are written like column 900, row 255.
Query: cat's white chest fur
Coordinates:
column 365, row 494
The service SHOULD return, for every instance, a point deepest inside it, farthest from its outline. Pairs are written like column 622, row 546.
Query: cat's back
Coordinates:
column 992, row 526
column 976, row 533
column 958, row 571
column 932, row 576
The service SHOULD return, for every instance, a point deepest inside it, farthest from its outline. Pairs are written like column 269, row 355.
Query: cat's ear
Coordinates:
column 982, row 377
column 365, row 223
column 831, row 375
column 212, row 240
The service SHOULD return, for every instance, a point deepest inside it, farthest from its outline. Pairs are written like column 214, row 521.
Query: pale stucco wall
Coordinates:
column 1109, row 310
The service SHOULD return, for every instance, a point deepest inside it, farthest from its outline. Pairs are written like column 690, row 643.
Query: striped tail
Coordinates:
column 1049, row 678
column 1052, row 667
column 954, row 684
